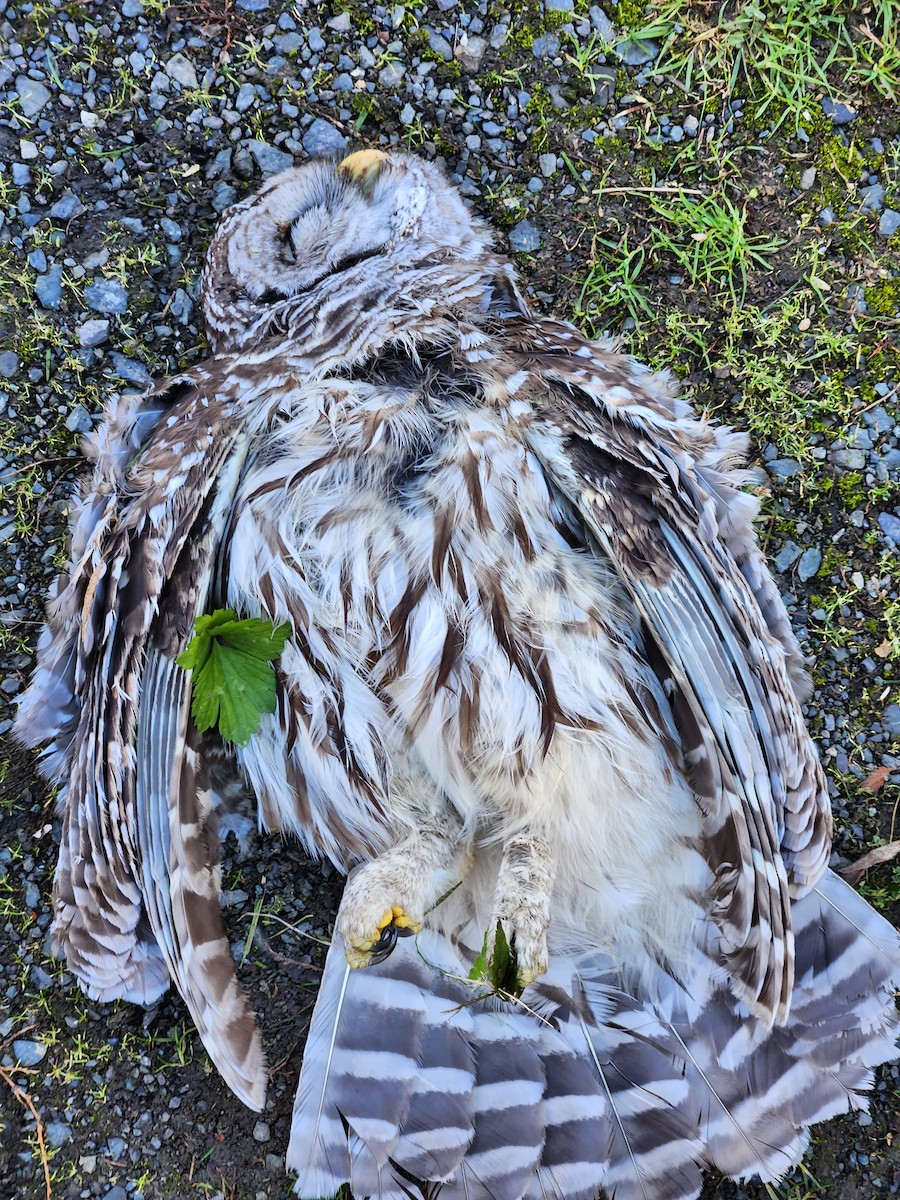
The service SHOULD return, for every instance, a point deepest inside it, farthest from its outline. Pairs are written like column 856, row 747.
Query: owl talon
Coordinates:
column 363, row 952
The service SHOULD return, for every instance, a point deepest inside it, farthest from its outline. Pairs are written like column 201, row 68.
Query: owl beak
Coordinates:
column 363, row 168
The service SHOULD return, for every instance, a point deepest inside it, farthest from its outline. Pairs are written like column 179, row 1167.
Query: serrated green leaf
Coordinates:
column 233, row 682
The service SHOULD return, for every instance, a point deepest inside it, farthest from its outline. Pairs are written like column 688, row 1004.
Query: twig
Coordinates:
column 27, row 1102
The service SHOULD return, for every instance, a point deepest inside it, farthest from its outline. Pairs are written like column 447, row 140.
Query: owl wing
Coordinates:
column 136, row 888
column 656, row 492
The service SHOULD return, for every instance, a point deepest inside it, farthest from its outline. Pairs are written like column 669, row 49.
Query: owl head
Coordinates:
column 374, row 230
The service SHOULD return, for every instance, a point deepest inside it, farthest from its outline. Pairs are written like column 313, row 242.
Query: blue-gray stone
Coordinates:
column 491, row 129
column 315, row 41
column 545, row 45
column 635, row 52
column 48, row 288
column 407, row 114
column 132, row 8
column 323, row 138
column 182, row 70
column 851, row 460
column 106, row 296
column 79, row 420
column 603, row 25
column 890, row 461
column 524, row 237
column 38, row 978
column 223, row 196
column 252, row 5
column 344, row 83
column 889, row 223
column 787, row 556
column 676, row 133
column 784, row 468
column 270, row 159
column 246, row 97
column 170, row 228
column 470, row 54
column 38, row 260
column 57, row 1133
column 129, row 369
column 891, row 720
column 9, row 364
column 882, row 421
column 92, row 333
column 837, row 113
column 810, row 561
column 28, row 1054
column 890, row 526
column 872, row 198
column 439, row 45
column 560, row 5
column 826, row 215
column 392, row 75
column 31, row 895
column 117, row 1192
column 32, row 95
column 182, row 306
column 66, row 207
column 115, row 1148
column 21, row 174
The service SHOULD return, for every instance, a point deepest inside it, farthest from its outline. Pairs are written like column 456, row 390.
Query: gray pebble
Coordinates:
column 39, row 979
column 130, row 370
column 851, row 460
column 38, row 260
column 392, row 75
column 48, row 288
column 889, row 223
column 270, row 159
column 604, row 86
column 106, row 296
column 67, row 207
column 57, row 1133
column 545, row 45
column 132, row 8
column 323, row 138
column 28, row 150
column 407, row 114
column 872, row 198
column 890, row 526
column 810, row 561
column 182, row 70
column 21, row 174
column 341, row 23
column 224, row 195
column 882, row 420
column 246, row 97
column 787, row 556
column 79, row 421
column 31, row 895
column 837, row 113
column 784, row 468
column 252, row 5
column 547, row 163
column 9, row 364
column 691, row 124
column 826, row 215
column 28, row 1054
column 891, row 720
column 634, row 53
column 32, row 95
column 676, row 133
column 524, row 237
column 117, row 1192
column 603, row 25
column 864, row 1120
column 535, row 184
column 343, row 83
column 315, row 41
column 470, row 53
column 261, row 1132
column 439, row 45
column 808, row 178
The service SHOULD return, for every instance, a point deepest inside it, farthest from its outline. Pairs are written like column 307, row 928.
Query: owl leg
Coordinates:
column 522, row 905
column 388, row 897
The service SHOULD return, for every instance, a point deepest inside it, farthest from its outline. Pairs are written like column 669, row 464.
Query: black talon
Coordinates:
column 384, row 947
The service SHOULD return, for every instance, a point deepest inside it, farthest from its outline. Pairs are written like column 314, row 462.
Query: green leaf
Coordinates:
column 233, row 681
column 500, row 970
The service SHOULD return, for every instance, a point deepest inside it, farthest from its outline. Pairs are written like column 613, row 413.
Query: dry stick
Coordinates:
column 25, row 1100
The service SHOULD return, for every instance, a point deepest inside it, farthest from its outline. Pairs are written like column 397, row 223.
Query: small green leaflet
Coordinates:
column 500, row 970
column 233, row 677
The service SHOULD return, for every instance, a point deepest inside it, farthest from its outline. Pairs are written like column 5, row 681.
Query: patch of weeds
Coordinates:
column 611, row 284
column 708, row 238
column 780, row 53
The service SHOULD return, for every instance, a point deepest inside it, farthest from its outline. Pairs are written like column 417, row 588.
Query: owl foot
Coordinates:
column 362, row 952
column 522, row 907
column 387, row 898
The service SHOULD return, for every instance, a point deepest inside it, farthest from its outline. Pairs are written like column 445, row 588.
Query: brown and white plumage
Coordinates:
column 538, row 673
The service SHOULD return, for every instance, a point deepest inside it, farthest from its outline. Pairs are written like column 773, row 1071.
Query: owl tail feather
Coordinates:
column 416, row 1081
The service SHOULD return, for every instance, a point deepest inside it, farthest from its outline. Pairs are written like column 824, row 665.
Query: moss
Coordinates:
column 851, row 490
column 631, row 14
column 883, row 298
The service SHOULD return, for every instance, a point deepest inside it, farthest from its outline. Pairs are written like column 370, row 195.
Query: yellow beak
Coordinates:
column 363, row 166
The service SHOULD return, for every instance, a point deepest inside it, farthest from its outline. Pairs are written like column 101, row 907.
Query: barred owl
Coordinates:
column 540, row 689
